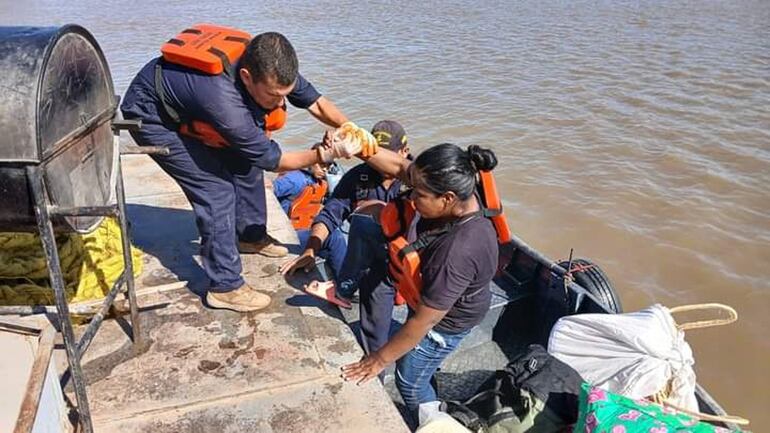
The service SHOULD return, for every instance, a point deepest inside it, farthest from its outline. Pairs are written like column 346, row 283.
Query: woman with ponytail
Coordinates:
column 456, row 268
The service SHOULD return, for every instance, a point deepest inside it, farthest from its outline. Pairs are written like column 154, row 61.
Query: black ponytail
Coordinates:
column 446, row 167
column 482, row 159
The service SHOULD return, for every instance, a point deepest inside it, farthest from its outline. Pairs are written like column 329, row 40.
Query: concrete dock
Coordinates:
column 205, row 370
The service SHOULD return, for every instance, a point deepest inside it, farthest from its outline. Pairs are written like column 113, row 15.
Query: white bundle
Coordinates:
column 633, row 354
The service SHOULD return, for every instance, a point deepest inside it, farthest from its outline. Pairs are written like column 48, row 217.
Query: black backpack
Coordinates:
column 535, row 392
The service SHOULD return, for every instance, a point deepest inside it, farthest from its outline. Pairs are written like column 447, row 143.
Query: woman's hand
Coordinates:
column 406, row 339
column 367, row 368
column 304, row 261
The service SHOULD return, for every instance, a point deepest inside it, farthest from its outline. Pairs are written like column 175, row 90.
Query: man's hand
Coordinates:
column 327, row 139
column 355, row 140
column 367, row 368
column 304, row 261
column 346, row 142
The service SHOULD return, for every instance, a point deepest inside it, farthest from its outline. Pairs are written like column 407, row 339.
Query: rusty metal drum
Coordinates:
column 57, row 103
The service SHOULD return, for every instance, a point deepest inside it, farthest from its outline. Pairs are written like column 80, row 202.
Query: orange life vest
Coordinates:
column 213, row 50
column 207, row 48
column 307, row 205
column 493, row 206
column 404, row 257
column 208, row 135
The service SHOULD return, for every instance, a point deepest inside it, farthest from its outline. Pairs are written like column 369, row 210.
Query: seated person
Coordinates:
column 359, row 187
column 455, row 246
column 301, row 194
column 289, row 185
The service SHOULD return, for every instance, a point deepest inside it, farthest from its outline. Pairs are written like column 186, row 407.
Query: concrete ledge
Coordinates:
column 218, row 371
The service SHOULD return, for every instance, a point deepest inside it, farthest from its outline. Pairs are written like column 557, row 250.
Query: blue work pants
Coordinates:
column 227, row 194
column 332, row 250
column 366, row 247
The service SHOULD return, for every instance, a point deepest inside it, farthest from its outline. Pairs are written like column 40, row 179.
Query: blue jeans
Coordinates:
column 332, row 250
column 415, row 369
column 366, row 247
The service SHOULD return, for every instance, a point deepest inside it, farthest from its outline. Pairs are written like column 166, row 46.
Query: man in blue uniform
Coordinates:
column 225, row 186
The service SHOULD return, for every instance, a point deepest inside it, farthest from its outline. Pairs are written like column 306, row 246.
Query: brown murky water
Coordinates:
column 636, row 132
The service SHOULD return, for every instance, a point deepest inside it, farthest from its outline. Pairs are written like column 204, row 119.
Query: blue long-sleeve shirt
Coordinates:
column 289, row 185
column 360, row 183
column 218, row 100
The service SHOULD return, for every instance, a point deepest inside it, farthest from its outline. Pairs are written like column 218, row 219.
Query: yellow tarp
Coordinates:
column 90, row 263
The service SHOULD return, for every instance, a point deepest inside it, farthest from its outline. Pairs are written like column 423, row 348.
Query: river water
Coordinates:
column 637, row 133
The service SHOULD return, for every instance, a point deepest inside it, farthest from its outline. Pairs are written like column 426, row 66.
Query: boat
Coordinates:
column 528, row 296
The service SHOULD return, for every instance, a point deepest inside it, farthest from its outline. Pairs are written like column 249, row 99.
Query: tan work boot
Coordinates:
column 267, row 247
column 241, row 299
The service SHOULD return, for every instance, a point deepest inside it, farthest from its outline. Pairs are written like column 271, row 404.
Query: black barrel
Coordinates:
column 56, row 107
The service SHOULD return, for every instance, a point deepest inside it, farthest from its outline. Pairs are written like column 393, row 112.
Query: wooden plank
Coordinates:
column 29, row 406
column 92, row 307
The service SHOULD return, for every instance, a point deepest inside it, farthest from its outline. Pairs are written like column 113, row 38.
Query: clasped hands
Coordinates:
column 347, row 141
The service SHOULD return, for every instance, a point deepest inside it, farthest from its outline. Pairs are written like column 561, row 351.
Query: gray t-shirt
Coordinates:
column 456, row 271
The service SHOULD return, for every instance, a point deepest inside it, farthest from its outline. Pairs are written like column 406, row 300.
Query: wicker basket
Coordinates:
column 662, row 396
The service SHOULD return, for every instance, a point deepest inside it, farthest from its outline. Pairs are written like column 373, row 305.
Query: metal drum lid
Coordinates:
column 59, row 117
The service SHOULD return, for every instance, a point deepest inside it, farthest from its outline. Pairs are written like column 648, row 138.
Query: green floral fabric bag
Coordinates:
column 604, row 412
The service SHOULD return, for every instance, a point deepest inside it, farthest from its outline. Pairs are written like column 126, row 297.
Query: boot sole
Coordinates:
column 264, row 254
column 273, row 256
column 221, row 305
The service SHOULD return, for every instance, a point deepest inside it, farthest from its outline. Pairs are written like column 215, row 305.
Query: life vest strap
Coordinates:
column 226, row 66
column 170, row 111
column 426, row 238
column 420, row 243
column 244, row 41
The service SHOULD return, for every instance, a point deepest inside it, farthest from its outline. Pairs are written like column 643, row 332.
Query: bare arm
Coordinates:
column 390, row 163
column 297, row 160
column 326, row 112
column 306, row 260
column 318, row 234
